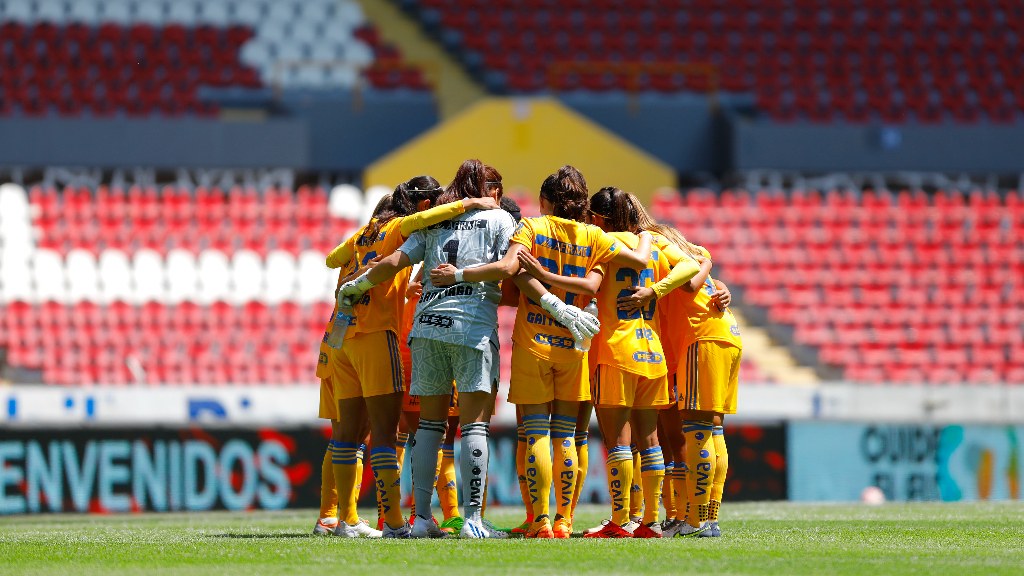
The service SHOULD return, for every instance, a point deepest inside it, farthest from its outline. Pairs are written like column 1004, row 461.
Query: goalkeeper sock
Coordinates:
column 345, row 479
column 700, row 461
column 563, row 428
column 538, row 463
column 582, row 463
column 620, row 478
column 473, row 459
column 388, row 480
column 424, row 464
column 721, row 470
column 328, row 492
column 447, row 492
column 652, row 474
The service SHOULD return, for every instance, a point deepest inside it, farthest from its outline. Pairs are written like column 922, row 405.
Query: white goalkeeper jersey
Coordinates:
column 465, row 313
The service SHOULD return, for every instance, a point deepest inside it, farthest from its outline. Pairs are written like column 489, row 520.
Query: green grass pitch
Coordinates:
column 763, row 538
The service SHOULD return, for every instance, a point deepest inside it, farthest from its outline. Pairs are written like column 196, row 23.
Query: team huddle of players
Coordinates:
column 659, row 362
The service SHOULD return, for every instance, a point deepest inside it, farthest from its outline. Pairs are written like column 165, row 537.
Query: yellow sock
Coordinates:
column 682, row 494
column 346, row 480
column 328, row 493
column 700, row 462
column 447, row 491
column 582, row 464
column 721, row 470
column 620, row 477
column 538, row 463
column 668, row 494
column 636, row 492
column 387, row 478
column 524, row 490
column 563, row 429
column 403, row 441
column 652, row 474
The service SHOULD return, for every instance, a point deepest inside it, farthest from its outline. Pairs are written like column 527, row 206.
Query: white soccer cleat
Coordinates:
column 426, row 528
column 476, row 529
column 597, row 528
column 686, row 531
column 492, row 530
column 325, row 526
column 357, row 530
column 669, row 528
column 402, row 532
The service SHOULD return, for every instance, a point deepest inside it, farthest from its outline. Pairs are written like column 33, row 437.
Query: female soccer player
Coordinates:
column 709, row 362
column 549, row 376
column 367, row 371
column 454, row 337
column 627, row 364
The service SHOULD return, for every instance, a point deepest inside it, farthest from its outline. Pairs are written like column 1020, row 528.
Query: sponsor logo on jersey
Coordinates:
column 459, row 225
column 734, row 330
column 457, row 290
column 648, row 357
column 436, row 320
column 554, row 341
column 563, row 247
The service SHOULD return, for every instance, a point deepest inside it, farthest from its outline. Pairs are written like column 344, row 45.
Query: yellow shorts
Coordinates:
column 612, row 386
column 328, row 405
column 369, row 364
column 709, row 376
column 535, row 380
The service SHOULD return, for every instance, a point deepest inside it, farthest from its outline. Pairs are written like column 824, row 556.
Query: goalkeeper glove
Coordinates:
column 351, row 291
column 580, row 324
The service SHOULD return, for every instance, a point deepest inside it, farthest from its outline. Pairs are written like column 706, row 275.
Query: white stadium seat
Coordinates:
column 373, row 196
column 81, row 276
column 346, row 201
column 150, row 12
column 182, row 277
column 148, row 277
column 182, row 12
column 16, row 280
column 251, row 13
column 50, row 11
column 313, row 276
column 84, row 12
column 18, row 11
column 13, row 203
column 118, row 11
column 246, row 277
column 48, row 277
column 215, row 12
column 214, row 277
column 115, row 272
column 280, row 275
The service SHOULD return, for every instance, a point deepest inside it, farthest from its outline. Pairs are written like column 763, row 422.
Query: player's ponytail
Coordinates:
column 403, row 201
column 469, row 182
column 676, row 237
column 566, row 190
column 617, row 208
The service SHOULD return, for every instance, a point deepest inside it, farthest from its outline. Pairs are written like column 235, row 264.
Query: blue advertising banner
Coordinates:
column 833, row 461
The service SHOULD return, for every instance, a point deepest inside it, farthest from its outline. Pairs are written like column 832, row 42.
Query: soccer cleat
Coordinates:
column 609, row 530
column 713, row 531
column 631, row 525
column 426, row 528
column 478, row 529
column 357, row 530
column 686, row 531
column 522, row 528
column 562, row 528
column 597, row 528
column 402, row 532
column 652, row 530
column 492, row 530
column 453, row 525
column 541, row 529
column 325, row 526
column 669, row 528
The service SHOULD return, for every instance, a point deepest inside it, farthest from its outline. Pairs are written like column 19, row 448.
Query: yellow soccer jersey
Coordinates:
column 706, row 320
column 630, row 340
column 564, row 247
column 381, row 307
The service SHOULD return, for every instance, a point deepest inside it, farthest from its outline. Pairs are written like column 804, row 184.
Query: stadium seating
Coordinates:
column 144, row 57
column 172, row 285
column 885, row 286
column 923, row 60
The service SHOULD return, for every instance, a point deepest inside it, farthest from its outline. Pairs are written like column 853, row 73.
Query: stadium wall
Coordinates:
column 338, row 132
column 837, row 147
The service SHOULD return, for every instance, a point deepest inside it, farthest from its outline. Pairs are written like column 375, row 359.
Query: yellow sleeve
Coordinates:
column 680, row 274
column 431, row 216
column 343, row 252
column 673, row 254
column 606, row 246
column 524, row 234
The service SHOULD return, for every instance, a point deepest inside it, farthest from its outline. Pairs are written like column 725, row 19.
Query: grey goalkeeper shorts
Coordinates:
column 436, row 364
